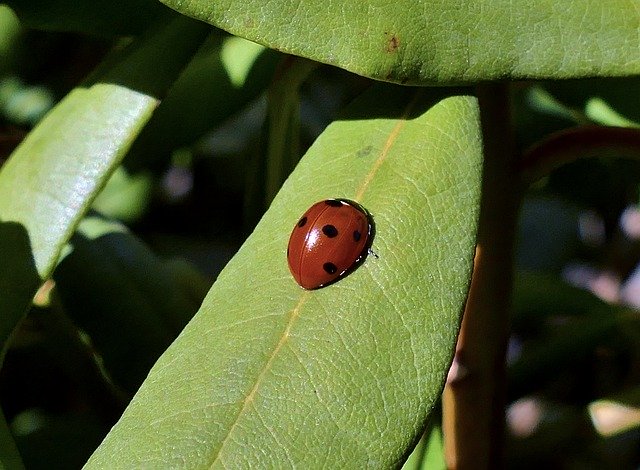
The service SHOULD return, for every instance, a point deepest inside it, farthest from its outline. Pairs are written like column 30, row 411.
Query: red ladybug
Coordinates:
column 329, row 240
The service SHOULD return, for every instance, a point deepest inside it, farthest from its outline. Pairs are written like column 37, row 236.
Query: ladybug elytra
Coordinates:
column 329, row 240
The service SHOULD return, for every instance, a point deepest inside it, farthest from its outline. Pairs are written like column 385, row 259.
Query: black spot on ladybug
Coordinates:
column 356, row 236
column 333, row 203
column 302, row 222
column 330, row 231
column 330, row 268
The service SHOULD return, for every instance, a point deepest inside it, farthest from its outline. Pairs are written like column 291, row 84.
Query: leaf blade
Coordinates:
column 267, row 374
column 441, row 41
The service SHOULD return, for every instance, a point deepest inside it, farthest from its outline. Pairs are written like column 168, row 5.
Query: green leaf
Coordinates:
column 441, row 41
column 125, row 196
column 268, row 375
column 10, row 32
column 429, row 452
column 49, row 181
column 598, row 110
column 23, row 104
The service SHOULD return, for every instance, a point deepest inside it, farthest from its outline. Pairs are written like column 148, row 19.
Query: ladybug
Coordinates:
column 331, row 239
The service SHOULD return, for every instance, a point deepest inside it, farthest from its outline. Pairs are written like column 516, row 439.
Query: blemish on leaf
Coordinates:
column 393, row 43
column 364, row 151
column 249, row 22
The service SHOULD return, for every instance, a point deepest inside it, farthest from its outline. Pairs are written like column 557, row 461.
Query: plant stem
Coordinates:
column 283, row 98
column 474, row 397
column 569, row 145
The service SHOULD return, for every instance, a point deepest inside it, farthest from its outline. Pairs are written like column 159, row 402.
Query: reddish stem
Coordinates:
column 569, row 145
column 474, row 397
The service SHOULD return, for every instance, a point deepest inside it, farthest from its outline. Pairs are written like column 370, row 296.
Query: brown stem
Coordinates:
column 474, row 397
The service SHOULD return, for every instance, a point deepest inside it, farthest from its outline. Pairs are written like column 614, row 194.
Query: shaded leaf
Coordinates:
column 225, row 74
column 128, row 300
column 98, row 17
column 9, row 456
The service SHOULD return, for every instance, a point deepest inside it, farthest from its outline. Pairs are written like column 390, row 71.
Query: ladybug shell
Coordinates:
column 331, row 238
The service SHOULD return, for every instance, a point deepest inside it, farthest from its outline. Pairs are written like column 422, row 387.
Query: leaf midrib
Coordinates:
column 295, row 312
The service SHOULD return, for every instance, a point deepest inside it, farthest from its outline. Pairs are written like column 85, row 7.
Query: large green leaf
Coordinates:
column 49, row 181
column 268, row 375
column 441, row 41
